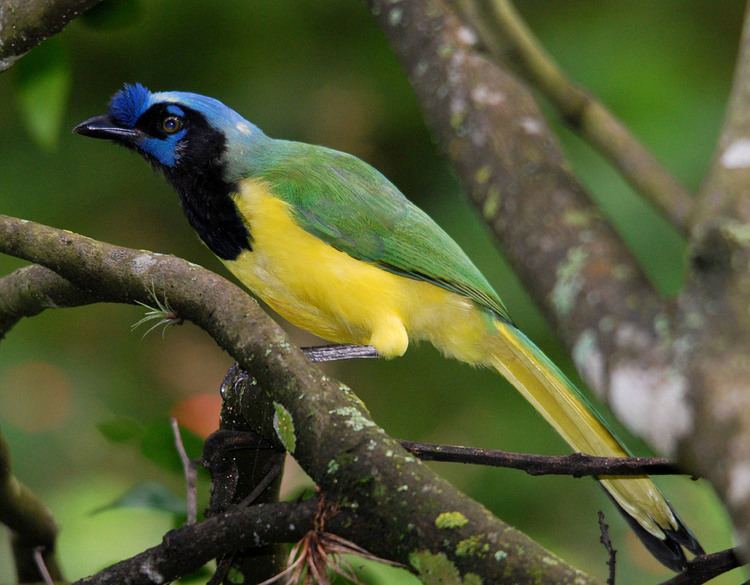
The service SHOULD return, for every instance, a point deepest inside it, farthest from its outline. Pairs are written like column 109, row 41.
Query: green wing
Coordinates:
column 351, row 206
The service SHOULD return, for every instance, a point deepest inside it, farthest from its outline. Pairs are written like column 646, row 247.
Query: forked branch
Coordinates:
column 516, row 45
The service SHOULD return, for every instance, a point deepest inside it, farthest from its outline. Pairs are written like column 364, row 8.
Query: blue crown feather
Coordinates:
column 129, row 103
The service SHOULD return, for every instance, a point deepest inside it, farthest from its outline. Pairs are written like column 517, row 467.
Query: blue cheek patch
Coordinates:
column 163, row 149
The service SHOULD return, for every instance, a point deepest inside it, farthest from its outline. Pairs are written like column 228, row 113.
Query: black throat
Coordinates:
column 206, row 198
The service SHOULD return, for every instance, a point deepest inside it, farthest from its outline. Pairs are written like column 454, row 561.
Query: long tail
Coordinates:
column 563, row 405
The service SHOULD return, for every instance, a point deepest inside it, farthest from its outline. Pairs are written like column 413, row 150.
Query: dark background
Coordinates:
column 320, row 71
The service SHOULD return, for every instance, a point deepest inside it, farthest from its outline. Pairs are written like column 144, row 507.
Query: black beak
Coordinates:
column 105, row 127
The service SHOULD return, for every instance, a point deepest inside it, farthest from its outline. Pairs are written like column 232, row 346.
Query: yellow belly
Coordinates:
column 345, row 300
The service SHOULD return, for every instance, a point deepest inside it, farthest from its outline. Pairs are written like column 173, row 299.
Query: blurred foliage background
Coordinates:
column 84, row 401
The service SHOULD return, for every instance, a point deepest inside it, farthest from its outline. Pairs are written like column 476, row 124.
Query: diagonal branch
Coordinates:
column 585, row 114
column 576, row 465
column 320, row 420
column 26, row 23
column 707, row 567
column 30, row 290
column 188, row 548
column 569, row 258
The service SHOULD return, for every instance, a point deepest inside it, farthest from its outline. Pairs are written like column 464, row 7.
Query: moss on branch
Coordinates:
column 393, row 496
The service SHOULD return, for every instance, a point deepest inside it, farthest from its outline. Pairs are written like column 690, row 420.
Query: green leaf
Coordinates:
column 120, row 429
column 42, row 80
column 283, row 424
column 158, row 446
column 152, row 495
column 113, row 14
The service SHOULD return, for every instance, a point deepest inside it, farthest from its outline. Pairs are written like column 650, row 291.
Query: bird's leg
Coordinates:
column 332, row 353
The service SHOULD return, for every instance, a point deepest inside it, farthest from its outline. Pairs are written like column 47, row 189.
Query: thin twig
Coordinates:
column 190, row 471
column 607, row 543
column 42, row 566
column 577, row 464
column 583, row 112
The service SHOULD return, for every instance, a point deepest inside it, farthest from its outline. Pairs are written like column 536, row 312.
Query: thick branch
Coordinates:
column 30, row 521
column 188, row 548
column 571, row 260
column 335, row 441
column 725, row 191
column 583, row 112
column 26, row 23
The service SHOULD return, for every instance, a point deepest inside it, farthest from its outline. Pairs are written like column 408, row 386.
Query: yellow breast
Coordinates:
column 331, row 294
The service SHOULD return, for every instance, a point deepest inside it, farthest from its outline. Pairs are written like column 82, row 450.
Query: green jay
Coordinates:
column 335, row 248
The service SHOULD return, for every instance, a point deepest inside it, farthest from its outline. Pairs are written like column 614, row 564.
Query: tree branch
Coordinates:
column 352, row 460
column 26, row 23
column 571, row 261
column 703, row 569
column 576, row 465
column 28, row 291
column 191, row 546
column 30, row 521
column 188, row 548
column 725, row 189
column 714, row 319
column 585, row 114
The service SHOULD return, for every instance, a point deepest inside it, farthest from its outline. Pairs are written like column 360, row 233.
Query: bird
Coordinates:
column 331, row 245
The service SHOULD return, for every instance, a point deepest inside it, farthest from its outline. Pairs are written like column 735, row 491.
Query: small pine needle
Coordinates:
column 163, row 313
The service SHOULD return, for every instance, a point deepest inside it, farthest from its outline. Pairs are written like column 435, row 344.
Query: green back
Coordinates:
column 354, row 208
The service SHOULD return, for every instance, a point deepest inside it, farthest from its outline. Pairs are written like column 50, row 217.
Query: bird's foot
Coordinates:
column 332, row 353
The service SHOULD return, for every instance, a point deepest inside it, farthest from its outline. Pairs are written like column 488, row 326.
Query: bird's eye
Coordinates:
column 171, row 124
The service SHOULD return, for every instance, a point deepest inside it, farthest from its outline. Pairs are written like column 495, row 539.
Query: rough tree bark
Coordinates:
column 328, row 430
column 26, row 23
column 675, row 373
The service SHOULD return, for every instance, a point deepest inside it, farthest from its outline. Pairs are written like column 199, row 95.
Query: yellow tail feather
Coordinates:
column 556, row 399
